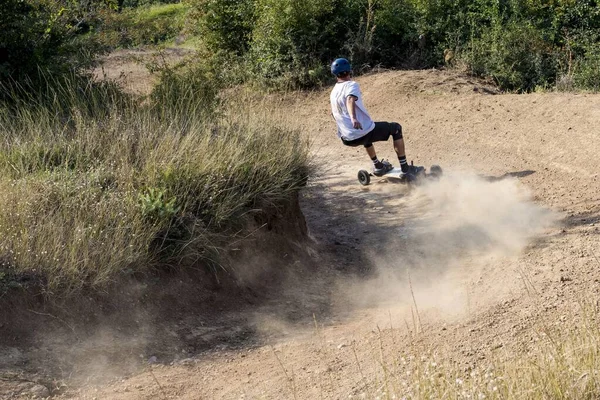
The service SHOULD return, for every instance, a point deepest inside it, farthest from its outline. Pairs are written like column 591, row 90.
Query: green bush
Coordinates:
column 515, row 56
column 587, row 68
column 395, row 35
column 291, row 40
column 225, row 25
column 44, row 35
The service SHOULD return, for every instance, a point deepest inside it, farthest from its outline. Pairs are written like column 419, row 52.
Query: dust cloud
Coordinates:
column 445, row 236
column 456, row 229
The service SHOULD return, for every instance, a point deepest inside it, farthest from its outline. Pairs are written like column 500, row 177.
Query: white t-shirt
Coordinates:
column 338, row 98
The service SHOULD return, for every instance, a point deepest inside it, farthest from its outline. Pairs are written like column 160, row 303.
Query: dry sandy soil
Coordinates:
column 462, row 269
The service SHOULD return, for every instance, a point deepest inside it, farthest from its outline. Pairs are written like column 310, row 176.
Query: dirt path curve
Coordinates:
column 460, row 269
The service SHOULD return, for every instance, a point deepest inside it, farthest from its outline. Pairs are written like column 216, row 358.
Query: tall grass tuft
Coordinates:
column 94, row 184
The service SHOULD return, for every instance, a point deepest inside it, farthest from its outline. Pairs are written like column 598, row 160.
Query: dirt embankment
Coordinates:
column 50, row 342
column 462, row 270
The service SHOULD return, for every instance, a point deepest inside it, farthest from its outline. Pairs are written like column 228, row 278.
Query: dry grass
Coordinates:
column 94, row 185
column 560, row 364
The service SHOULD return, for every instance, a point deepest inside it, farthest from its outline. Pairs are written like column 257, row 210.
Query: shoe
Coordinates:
column 407, row 177
column 412, row 173
column 415, row 170
column 387, row 166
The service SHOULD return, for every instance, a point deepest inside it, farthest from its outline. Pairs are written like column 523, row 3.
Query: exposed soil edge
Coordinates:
column 155, row 307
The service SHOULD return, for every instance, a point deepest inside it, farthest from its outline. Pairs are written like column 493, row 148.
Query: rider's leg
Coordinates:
column 399, row 146
column 371, row 152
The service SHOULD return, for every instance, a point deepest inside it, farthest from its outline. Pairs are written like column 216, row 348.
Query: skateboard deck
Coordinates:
column 364, row 176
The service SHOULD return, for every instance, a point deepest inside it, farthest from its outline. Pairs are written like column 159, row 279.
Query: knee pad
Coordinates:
column 396, row 131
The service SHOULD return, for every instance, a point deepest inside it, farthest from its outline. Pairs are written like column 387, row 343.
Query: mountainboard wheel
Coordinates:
column 364, row 177
column 435, row 171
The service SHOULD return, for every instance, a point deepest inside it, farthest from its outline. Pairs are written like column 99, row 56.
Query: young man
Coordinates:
column 355, row 126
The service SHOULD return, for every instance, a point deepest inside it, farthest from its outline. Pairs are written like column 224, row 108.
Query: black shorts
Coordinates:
column 381, row 133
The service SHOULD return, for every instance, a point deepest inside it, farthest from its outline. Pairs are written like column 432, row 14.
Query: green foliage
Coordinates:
column 522, row 44
column 395, row 35
column 160, row 11
column 141, row 3
column 147, row 25
column 155, row 205
column 225, row 25
column 291, row 38
column 515, row 55
column 44, row 35
column 587, row 69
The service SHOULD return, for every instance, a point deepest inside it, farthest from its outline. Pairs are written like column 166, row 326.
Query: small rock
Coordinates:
column 341, row 346
column 152, row 360
column 40, row 391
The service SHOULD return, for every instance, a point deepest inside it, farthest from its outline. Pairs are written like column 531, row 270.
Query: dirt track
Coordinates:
column 463, row 268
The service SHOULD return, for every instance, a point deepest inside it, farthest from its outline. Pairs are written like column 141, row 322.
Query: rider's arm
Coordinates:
column 351, row 104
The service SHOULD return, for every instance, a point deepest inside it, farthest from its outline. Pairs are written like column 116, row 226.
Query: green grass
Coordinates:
column 150, row 25
column 156, row 11
column 94, row 185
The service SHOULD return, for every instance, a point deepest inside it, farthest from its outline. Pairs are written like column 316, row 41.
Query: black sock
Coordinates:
column 376, row 162
column 403, row 163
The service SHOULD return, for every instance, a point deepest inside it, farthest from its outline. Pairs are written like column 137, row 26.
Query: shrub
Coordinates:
column 44, row 35
column 587, row 68
column 396, row 35
column 515, row 55
column 225, row 25
column 291, row 39
column 289, row 44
